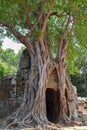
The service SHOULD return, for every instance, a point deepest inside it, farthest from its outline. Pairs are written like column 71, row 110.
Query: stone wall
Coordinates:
column 82, row 110
column 24, row 65
column 82, row 103
column 12, row 87
column 10, row 96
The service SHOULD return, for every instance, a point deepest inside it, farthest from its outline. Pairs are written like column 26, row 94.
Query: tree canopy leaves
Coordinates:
column 23, row 15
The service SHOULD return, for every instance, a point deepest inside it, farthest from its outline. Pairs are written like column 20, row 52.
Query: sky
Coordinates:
column 8, row 43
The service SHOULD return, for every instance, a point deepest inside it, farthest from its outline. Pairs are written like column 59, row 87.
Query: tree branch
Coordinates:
column 46, row 20
column 65, row 30
column 27, row 20
column 18, row 35
column 74, row 21
column 34, row 26
column 63, row 43
column 57, row 14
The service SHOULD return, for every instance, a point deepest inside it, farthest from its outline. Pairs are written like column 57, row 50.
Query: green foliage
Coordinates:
column 79, row 80
column 14, row 11
column 3, row 68
column 9, row 61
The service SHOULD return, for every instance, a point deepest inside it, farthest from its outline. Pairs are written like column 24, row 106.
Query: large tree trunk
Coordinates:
column 49, row 97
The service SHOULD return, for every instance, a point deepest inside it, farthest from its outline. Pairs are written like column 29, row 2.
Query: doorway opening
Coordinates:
column 52, row 105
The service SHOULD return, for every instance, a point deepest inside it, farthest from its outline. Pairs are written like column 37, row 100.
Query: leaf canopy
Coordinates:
column 23, row 13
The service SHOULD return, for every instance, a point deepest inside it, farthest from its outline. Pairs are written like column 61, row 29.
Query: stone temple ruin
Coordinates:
column 12, row 89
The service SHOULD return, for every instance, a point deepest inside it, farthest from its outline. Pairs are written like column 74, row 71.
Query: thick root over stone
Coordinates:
column 32, row 111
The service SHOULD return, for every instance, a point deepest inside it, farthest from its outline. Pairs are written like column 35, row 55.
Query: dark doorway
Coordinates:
column 52, row 105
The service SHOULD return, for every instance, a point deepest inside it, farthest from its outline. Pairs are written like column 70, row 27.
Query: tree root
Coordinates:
column 32, row 111
column 70, row 122
column 30, row 120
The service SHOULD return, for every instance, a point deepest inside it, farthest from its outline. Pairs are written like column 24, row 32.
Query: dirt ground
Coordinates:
column 65, row 128
column 76, row 128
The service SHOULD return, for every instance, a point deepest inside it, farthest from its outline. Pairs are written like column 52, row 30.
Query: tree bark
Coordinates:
column 46, row 76
column 33, row 110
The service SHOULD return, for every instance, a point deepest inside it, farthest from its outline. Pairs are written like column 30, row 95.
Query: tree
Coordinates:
column 9, row 61
column 45, row 28
column 3, row 68
column 79, row 79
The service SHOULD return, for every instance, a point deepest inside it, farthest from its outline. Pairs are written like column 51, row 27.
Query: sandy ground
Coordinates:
column 65, row 128
column 76, row 128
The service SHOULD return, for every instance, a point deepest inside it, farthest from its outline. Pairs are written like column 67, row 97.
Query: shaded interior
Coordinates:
column 52, row 105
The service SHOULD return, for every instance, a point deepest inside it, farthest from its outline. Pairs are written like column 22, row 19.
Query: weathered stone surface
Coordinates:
column 82, row 109
column 10, row 97
column 12, row 87
column 82, row 104
column 24, row 64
